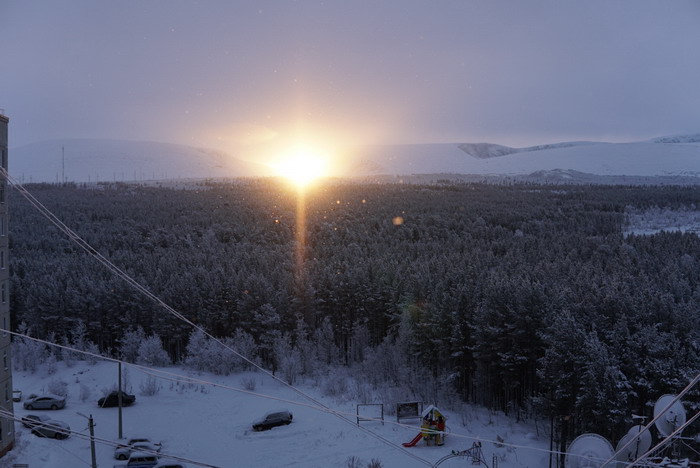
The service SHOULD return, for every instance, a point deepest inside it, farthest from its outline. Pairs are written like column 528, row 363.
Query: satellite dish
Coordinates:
column 588, row 451
column 639, row 441
column 670, row 420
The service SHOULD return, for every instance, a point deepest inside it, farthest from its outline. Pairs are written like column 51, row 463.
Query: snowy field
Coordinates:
column 655, row 220
column 211, row 425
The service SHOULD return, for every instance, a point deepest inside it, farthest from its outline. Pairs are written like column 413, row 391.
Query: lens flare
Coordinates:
column 301, row 166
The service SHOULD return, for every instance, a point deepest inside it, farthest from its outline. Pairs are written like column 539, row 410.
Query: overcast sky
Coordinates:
column 225, row 73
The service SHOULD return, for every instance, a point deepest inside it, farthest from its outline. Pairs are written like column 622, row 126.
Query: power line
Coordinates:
column 179, row 378
column 113, row 443
column 665, row 440
column 687, row 388
column 135, row 284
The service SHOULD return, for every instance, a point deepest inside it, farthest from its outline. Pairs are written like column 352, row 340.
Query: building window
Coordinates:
column 4, row 359
column 2, row 225
column 2, row 191
column 2, row 259
column 3, row 292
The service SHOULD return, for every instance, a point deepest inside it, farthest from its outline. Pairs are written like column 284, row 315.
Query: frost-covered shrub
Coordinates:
column 150, row 386
column 244, row 344
column 249, row 383
column 85, row 393
column 208, row 355
column 126, row 379
column 67, row 356
column 51, row 364
column 354, row 462
column 151, row 353
column 92, row 350
column 374, row 464
column 324, row 338
column 79, row 339
column 197, row 351
column 336, row 384
column 288, row 358
column 224, row 361
column 130, row 343
column 57, row 387
column 363, row 392
column 27, row 354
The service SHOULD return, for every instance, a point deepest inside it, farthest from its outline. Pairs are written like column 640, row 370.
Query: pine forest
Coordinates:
column 527, row 299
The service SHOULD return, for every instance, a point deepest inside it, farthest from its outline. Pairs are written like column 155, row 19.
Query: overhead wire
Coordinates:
column 179, row 378
column 56, row 444
column 666, row 440
column 112, row 443
column 632, row 440
column 135, row 284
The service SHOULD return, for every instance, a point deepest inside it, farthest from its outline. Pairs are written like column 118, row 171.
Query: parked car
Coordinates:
column 16, row 395
column 123, row 452
column 113, row 400
column 139, row 460
column 52, row 428
column 46, row 401
column 275, row 418
column 170, row 464
column 32, row 420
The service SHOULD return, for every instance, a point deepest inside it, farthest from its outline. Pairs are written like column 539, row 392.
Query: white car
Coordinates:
column 46, row 401
column 52, row 428
column 122, row 452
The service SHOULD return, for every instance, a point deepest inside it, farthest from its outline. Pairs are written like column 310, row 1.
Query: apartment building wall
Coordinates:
column 7, row 429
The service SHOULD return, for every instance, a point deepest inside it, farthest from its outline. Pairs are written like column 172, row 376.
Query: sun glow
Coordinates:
column 302, row 166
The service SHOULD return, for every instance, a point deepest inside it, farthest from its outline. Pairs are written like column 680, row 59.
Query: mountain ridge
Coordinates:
column 92, row 160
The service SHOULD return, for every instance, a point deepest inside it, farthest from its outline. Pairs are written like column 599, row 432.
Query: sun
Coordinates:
column 302, row 166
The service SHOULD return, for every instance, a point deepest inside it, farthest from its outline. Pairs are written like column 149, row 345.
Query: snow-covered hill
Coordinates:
column 679, row 139
column 663, row 158
column 490, row 150
column 120, row 160
column 110, row 160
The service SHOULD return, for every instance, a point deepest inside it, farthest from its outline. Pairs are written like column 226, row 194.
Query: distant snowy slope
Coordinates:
column 491, row 150
column 693, row 138
column 486, row 150
column 605, row 159
column 108, row 160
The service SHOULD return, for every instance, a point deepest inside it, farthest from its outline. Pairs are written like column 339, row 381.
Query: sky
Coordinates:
column 239, row 75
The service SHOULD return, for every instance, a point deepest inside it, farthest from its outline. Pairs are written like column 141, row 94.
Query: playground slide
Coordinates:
column 415, row 440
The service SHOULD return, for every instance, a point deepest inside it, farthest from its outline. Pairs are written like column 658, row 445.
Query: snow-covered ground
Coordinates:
column 211, row 425
column 655, row 220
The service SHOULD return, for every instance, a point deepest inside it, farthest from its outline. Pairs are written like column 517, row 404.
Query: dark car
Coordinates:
column 113, row 400
column 53, row 429
column 276, row 418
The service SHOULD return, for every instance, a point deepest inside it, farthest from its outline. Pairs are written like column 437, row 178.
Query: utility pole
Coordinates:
column 91, row 425
column 92, row 441
column 119, row 399
column 63, row 164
